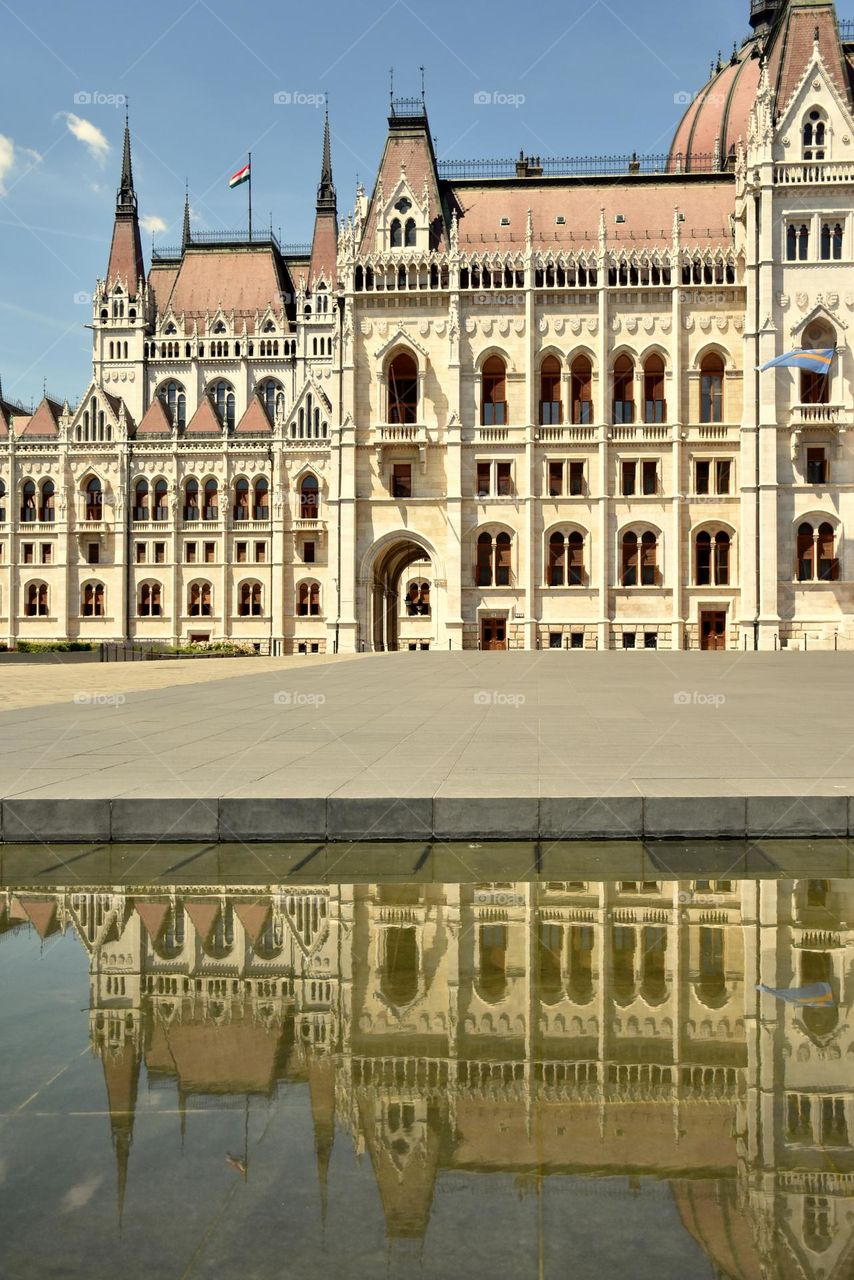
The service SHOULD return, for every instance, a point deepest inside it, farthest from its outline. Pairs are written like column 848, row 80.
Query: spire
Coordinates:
column 126, row 262
column 326, row 190
column 126, row 198
column 186, row 236
column 121, row 1073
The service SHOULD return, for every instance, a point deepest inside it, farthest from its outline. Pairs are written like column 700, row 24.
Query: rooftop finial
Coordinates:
column 423, row 96
column 186, row 236
column 326, row 187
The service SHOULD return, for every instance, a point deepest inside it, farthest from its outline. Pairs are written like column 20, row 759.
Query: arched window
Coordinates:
column 161, row 500
column 492, row 962
column 551, row 407
column 639, row 560
column 629, row 560
column 815, row 135
column 174, row 397
column 816, row 553
column 712, row 559
column 249, row 605
column 308, row 600
column 624, row 389
column 191, row 499
column 791, row 243
column 92, row 602
column 575, row 559
column 47, row 511
column 494, row 565
column 403, row 390
column 828, row 565
column 493, row 385
column 309, row 498
column 241, row 500
column 222, row 394
column 803, row 243
column 37, row 600
column 418, row 599
column 28, row 502
column 272, row 398
column 211, row 509
column 141, row 495
column 712, row 388
column 261, row 509
column 581, row 390
column 655, row 405
column 557, row 560
column 409, row 233
column 399, row 965
column 815, row 387
column 2, row 502
column 396, row 234
column 149, row 604
column 200, row 600
column 94, row 499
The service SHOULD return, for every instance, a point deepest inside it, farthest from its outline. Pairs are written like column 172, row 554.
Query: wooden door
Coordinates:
column 493, row 633
column 713, row 630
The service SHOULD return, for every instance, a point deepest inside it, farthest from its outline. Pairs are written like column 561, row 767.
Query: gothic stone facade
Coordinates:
column 507, row 411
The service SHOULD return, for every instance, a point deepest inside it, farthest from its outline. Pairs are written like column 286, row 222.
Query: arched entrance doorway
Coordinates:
column 392, row 594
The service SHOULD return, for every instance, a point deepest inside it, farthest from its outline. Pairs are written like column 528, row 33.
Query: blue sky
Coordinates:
column 595, row 76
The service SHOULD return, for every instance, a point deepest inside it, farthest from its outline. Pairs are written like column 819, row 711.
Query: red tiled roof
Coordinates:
column 42, row 914
column 254, row 421
column 793, row 46
column 126, row 262
column 161, row 281
column 646, row 206
column 412, row 147
column 203, row 916
column 155, row 420
column 152, row 915
column 241, row 280
column 204, row 421
column 44, row 422
column 253, row 917
column 324, row 250
column 4, row 423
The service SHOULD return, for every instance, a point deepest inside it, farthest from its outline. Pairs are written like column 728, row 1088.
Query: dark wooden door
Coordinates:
column 713, row 630
column 493, row 633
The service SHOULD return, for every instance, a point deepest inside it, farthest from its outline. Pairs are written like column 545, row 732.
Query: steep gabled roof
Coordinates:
column 244, row 280
column 44, row 422
column 155, row 420
column 792, row 45
column 254, row 421
column 204, row 421
column 409, row 149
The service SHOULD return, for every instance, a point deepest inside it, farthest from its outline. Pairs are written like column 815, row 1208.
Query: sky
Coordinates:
column 208, row 81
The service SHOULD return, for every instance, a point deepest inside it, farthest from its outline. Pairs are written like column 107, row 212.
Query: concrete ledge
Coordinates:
column 382, row 819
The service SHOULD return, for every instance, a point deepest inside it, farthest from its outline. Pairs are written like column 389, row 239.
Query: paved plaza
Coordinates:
column 416, row 746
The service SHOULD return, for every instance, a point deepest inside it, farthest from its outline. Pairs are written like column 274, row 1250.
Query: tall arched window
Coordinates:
column 655, row 405
column 149, row 601
column 200, row 600
column 2, row 502
column 241, row 500
column 815, row 387
column 624, row 389
column 409, row 233
column 831, row 241
column 308, row 600
column 492, row 962
column 222, row 394
column 639, row 560
column 211, row 511
column 566, row 560
column 581, row 390
column 629, row 560
column 712, row 388
column 713, row 559
column 309, row 498
column 161, row 500
column 36, row 605
column 141, row 496
column 551, row 407
column 92, row 603
column 418, row 599
column 816, row 553
column 174, row 397
column 493, row 383
column 191, row 499
column 815, row 135
column 494, row 564
column 94, row 499
column 272, row 398
column 395, row 234
column 249, row 605
column 261, row 509
column 28, row 502
column 47, row 510
column 403, row 390
column 557, row 560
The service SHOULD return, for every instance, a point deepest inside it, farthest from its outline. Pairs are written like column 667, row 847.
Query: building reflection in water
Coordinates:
column 558, row 1027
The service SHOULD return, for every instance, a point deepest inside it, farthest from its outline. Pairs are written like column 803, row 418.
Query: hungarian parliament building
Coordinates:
column 509, row 404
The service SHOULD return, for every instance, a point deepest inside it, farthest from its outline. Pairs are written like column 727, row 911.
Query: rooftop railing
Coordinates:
column 663, row 165
column 220, row 239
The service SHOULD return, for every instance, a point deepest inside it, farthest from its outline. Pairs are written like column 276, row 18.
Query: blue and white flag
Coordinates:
column 815, row 361
column 816, row 995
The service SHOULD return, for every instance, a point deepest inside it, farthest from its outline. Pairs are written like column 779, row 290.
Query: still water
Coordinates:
column 504, row 1079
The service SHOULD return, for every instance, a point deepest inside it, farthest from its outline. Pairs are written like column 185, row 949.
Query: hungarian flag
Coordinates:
column 814, row 996
column 242, row 175
column 815, row 361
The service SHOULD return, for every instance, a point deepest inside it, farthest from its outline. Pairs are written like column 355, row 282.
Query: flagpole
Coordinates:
column 250, row 197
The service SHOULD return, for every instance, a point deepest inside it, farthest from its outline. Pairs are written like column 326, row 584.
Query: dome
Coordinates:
column 717, row 117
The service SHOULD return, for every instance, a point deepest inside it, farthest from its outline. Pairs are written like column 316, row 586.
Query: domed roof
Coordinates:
column 717, row 117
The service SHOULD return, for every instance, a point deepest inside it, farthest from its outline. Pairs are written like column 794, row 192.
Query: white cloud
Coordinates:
column 152, row 223
column 89, row 134
column 7, row 160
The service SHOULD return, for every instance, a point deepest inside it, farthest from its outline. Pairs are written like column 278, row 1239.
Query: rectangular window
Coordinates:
column 816, row 466
column 308, row 553
column 504, row 479
column 94, row 553
column 723, row 475
column 240, row 549
column 702, row 476
column 629, row 639
column 577, row 641
column 27, row 550
column 576, row 479
column 484, row 486
column 47, row 553
column 260, row 552
column 555, row 479
column 650, row 477
column 190, row 552
column 401, row 480
column 139, row 552
column 160, row 553
column 555, row 640
column 629, row 479
column 650, row 639
column 210, row 553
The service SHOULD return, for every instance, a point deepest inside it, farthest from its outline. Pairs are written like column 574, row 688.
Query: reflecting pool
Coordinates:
column 533, row 1078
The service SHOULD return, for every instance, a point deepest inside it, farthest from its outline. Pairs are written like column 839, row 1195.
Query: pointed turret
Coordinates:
column 121, row 1074
column 186, row 237
column 126, row 262
column 324, row 244
column 321, row 1084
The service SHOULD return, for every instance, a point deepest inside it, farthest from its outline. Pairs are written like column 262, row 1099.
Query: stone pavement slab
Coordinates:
column 466, row 746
